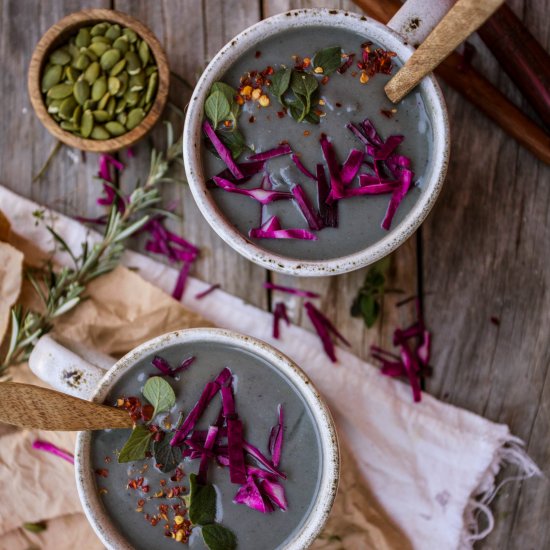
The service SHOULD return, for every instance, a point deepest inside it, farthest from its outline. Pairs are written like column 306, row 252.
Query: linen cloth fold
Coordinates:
column 411, row 472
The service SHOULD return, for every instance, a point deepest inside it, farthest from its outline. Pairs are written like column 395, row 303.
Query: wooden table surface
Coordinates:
column 483, row 252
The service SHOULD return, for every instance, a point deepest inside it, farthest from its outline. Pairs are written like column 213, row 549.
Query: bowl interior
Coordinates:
column 57, row 35
column 329, row 469
column 247, row 40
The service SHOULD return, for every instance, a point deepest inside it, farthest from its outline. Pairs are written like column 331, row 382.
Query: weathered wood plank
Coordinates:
column 25, row 144
column 486, row 255
column 338, row 292
column 192, row 33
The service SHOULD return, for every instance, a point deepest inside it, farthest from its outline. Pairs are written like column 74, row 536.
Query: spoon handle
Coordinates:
column 35, row 407
column 465, row 17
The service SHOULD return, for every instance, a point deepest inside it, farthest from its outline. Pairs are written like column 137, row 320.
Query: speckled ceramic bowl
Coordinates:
column 330, row 19
column 50, row 360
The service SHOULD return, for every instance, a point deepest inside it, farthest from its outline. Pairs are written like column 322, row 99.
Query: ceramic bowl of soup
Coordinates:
column 326, row 175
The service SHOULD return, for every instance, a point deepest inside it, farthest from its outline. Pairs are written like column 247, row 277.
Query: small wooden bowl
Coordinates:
column 56, row 35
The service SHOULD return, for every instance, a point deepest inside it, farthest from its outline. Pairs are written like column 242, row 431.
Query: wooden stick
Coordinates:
column 464, row 18
column 476, row 89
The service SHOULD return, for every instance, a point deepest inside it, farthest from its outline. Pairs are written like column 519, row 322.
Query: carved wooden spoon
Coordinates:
column 464, row 18
column 40, row 408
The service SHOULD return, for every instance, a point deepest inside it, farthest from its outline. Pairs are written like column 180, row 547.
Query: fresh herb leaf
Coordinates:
column 137, row 445
column 35, row 527
column 166, row 455
column 368, row 302
column 280, row 82
column 328, row 59
column 160, row 394
column 235, row 141
column 228, row 92
column 304, row 86
column 202, row 502
column 218, row 537
column 217, row 108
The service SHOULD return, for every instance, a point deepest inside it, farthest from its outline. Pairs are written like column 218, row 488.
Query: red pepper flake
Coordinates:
column 338, row 104
column 387, row 113
column 145, row 488
column 102, row 472
column 252, row 119
column 141, row 502
column 354, row 73
column 147, row 412
column 162, row 482
column 179, row 474
column 108, row 459
column 325, row 79
column 257, row 54
column 306, row 133
column 280, row 114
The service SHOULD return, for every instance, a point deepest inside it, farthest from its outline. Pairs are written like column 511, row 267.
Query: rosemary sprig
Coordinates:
column 62, row 289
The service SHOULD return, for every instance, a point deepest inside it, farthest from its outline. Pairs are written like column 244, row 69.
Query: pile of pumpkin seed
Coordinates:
column 102, row 83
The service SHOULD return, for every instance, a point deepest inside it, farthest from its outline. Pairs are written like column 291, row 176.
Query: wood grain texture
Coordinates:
column 38, row 408
column 61, row 31
column 460, row 22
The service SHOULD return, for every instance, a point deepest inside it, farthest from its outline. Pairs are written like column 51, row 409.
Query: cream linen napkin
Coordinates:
column 425, row 464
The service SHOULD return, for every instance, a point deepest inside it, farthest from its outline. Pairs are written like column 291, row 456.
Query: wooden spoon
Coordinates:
column 34, row 407
column 465, row 17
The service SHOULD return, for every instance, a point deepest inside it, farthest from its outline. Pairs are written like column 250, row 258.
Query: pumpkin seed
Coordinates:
column 74, row 52
column 120, row 106
column 118, row 67
column 82, row 39
column 150, row 70
column 113, row 85
column 81, row 91
column 137, row 82
column 122, row 44
column 82, row 62
column 130, row 34
column 99, row 29
column 132, row 98
column 144, row 53
column 98, row 49
column 51, row 77
column 99, row 132
column 93, row 56
column 115, row 128
column 67, row 107
column 86, row 123
column 113, row 32
column 72, row 74
column 99, row 88
column 101, row 116
column 124, row 79
column 103, row 101
column 53, row 107
column 60, row 57
column 111, row 104
column 68, row 125
column 89, row 104
column 101, row 40
column 60, row 91
column 109, row 59
column 151, row 87
column 77, row 115
column 91, row 74
column 134, row 64
column 122, row 118
column 135, row 116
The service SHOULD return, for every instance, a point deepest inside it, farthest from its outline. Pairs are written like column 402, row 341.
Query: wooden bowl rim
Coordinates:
column 74, row 21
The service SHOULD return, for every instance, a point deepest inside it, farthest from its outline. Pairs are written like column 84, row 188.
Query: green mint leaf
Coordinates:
column 329, row 59
column 202, row 502
column 217, row 108
column 234, row 140
column 217, row 537
column 304, row 86
column 160, row 394
column 35, row 527
column 137, row 445
column 228, row 92
column 167, row 457
column 280, row 82
column 370, row 309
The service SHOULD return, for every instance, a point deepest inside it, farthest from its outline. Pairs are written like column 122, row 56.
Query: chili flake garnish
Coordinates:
column 103, row 472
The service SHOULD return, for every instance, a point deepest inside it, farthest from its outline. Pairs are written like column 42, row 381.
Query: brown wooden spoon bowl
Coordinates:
column 56, row 35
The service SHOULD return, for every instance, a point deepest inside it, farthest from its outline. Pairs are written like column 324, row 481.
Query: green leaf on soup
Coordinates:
column 328, row 59
column 160, row 394
column 201, row 502
column 217, row 108
column 137, row 445
column 280, row 82
column 218, row 537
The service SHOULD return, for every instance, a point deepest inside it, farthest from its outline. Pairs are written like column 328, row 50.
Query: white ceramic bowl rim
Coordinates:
column 192, row 138
column 330, row 467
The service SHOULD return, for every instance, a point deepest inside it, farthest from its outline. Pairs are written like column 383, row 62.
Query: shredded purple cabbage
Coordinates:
column 397, row 196
column 347, row 64
column 247, row 169
column 204, row 293
column 290, row 290
column 336, row 187
column 222, row 150
column 329, row 212
column 275, row 442
column 255, row 453
column 274, row 492
column 166, row 370
column 279, row 313
column 283, row 149
column 312, row 217
column 52, row 449
column 271, row 229
column 237, row 469
column 209, row 443
column 250, row 495
column 351, row 166
column 296, row 160
column 261, row 195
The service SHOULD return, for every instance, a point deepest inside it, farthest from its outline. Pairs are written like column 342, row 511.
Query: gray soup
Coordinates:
column 258, row 391
column 346, row 99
